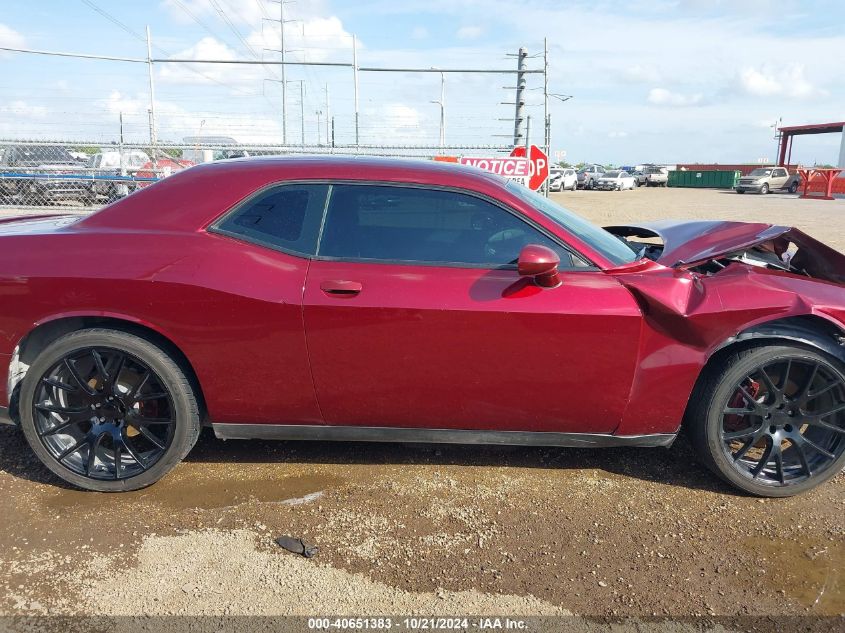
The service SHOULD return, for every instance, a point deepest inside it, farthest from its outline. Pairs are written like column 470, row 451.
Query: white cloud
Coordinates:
column 117, row 102
column 419, row 33
column 639, row 73
column 11, row 38
column 20, row 108
column 469, row 32
column 236, row 76
column 788, row 81
column 315, row 39
column 663, row 97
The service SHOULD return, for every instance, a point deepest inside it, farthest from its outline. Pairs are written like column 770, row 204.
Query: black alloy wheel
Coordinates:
column 104, row 414
column 108, row 410
column 774, row 424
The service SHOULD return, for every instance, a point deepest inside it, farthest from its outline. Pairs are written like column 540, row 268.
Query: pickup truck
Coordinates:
column 765, row 179
column 38, row 174
column 588, row 175
column 656, row 176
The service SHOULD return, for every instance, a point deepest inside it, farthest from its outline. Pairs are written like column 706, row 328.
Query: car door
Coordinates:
column 779, row 178
column 415, row 316
column 253, row 275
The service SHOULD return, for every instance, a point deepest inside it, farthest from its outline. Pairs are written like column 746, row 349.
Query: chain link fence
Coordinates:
column 80, row 176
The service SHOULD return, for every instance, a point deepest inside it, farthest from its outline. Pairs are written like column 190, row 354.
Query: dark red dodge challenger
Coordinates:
column 381, row 300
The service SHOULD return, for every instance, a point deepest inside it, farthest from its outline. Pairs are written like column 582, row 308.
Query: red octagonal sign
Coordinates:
column 538, row 165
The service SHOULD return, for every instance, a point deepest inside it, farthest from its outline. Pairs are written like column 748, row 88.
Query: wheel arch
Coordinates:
column 48, row 330
column 809, row 330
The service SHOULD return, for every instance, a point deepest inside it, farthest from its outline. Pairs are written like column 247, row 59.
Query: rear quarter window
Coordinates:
column 283, row 217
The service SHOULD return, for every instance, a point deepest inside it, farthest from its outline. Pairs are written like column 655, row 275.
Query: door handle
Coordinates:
column 341, row 288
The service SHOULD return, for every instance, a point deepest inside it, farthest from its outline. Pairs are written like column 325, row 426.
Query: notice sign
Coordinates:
column 531, row 171
column 509, row 166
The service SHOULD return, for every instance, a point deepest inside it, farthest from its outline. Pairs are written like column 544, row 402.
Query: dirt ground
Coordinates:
column 437, row 530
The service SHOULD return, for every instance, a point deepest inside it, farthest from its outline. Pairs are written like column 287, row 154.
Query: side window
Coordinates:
column 286, row 217
column 388, row 223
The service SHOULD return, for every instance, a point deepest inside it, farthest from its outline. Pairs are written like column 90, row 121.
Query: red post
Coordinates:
column 784, row 138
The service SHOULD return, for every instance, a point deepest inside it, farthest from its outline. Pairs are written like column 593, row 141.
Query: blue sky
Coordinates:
column 658, row 80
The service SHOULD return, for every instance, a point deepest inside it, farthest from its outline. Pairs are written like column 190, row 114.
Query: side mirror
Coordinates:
column 539, row 262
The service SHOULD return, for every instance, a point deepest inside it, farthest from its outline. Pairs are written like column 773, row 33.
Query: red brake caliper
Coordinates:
column 733, row 422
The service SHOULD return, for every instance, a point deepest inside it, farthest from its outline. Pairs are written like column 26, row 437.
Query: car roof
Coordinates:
column 192, row 198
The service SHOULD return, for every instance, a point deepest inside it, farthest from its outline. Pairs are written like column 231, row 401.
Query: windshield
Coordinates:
column 758, row 173
column 603, row 242
column 611, row 174
column 654, row 170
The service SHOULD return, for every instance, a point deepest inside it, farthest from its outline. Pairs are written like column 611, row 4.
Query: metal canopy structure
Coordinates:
column 788, row 133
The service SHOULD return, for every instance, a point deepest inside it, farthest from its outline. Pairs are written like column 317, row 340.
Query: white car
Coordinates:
column 109, row 166
column 616, row 180
column 563, row 179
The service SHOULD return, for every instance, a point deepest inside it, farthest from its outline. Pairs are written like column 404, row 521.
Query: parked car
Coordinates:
column 196, row 155
column 161, row 168
column 109, row 166
column 766, row 179
column 588, row 174
column 563, row 179
column 388, row 300
column 39, row 174
column 639, row 177
column 656, row 176
column 615, row 181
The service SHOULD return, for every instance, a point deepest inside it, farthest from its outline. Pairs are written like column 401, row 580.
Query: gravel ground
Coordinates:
column 436, row 530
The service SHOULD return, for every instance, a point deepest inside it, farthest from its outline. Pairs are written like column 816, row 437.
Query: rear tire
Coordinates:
column 121, row 400
column 771, row 434
column 793, row 188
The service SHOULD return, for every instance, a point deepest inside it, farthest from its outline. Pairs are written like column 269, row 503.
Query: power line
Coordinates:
column 140, row 37
column 233, row 28
column 196, row 19
column 114, row 20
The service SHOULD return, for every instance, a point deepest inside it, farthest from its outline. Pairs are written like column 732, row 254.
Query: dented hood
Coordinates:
column 692, row 241
column 696, row 241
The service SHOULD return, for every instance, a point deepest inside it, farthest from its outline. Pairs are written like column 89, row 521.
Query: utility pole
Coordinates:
column 355, row 77
column 519, row 115
column 442, row 104
column 319, row 114
column 283, row 64
column 328, row 113
column 547, row 137
column 302, row 108
column 332, row 135
column 528, row 137
column 120, row 149
column 284, row 82
column 153, row 135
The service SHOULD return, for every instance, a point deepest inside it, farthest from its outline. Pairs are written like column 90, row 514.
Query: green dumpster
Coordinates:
column 707, row 179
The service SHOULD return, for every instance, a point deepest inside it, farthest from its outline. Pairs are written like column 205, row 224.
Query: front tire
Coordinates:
column 764, row 189
column 770, row 420
column 108, row 411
